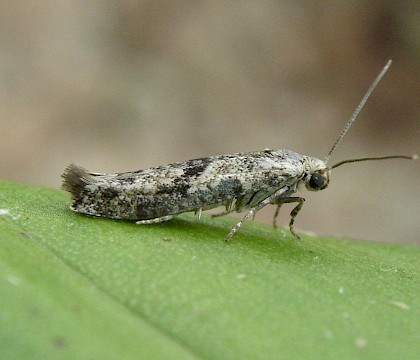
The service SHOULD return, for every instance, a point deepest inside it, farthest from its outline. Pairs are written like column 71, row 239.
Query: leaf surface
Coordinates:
column 73, row 286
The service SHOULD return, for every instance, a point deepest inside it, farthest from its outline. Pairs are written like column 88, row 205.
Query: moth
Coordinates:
column 241, row 182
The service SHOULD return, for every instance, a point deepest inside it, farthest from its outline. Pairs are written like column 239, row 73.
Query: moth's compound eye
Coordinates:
column 318, row 181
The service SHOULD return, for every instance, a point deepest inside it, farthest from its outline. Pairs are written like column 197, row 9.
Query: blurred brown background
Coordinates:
column 123, row 85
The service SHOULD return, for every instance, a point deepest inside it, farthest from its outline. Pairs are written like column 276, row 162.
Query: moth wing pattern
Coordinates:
column 238, row 182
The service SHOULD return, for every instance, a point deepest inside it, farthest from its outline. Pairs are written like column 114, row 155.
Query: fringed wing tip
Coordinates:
column 75, row 179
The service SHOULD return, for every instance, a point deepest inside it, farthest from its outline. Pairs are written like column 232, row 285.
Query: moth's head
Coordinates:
column 317, row 174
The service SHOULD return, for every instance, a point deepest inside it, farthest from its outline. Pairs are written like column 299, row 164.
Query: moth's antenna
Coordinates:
column 414, row 157
column 359, row 107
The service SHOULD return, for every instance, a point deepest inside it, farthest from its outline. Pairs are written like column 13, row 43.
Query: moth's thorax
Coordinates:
column 317, row 174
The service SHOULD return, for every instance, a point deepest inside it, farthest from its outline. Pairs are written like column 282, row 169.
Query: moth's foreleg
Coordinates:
column 280, row 201
column 155, row 220
column 293, row 215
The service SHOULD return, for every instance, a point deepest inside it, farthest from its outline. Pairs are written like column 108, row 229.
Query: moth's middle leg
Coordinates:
column 256, row 208
column 239, row 224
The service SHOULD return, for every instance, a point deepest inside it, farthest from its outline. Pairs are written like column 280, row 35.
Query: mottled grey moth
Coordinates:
column 238, row 182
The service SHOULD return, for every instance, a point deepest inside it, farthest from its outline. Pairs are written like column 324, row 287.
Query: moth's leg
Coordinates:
column 293, row 215
column 223, row 213
column 229, row 208
column 199, row 212
column 276, row 215
column 280, row 201
column 253, row 211
column 239, row 224
column 155, row 220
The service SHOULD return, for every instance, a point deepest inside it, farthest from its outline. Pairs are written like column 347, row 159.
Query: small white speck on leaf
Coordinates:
column 360, row 342
column 6, row 212
column 13, row 280
column 400, row 305
column 389, row 270
column 328, row 334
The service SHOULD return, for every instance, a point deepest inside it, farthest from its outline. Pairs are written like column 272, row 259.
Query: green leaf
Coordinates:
column 77, row 287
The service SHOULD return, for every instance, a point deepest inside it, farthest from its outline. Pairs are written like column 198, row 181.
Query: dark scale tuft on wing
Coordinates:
column 196, row 167
column 75, row 179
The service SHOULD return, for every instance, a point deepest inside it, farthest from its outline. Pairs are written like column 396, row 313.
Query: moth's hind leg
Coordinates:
column 230, row 208
column 155, row 220
column 223, row 213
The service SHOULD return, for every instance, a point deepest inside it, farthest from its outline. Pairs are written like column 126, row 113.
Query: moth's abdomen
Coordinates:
column 138, row 198
column 92, row 195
